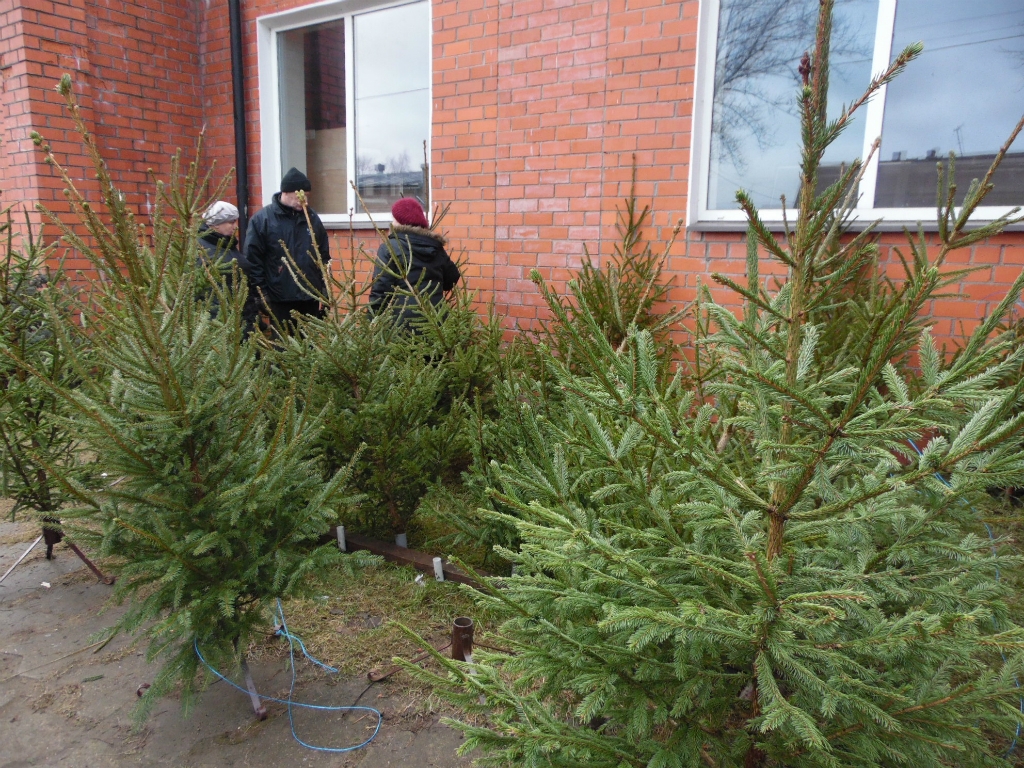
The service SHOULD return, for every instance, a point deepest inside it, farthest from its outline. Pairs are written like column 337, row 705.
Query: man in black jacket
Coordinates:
column 412, row 265
column 271, row 274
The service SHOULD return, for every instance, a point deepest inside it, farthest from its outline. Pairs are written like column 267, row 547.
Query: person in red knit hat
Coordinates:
column 407, row 211
column 412, row 265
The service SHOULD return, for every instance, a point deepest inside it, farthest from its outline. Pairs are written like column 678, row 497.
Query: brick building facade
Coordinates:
column 537, row 110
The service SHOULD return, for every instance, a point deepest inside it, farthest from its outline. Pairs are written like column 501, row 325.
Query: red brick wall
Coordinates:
column 998, row 262
column 464, row 143
column 17, row 160
column 216, row 94
column 539, row 108
column 135, row 71
column 145, row 86
column 40, row 40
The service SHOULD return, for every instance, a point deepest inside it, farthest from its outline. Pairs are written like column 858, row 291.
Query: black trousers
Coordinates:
column 282, row 311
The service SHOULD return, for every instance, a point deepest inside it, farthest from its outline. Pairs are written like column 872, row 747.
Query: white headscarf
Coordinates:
column 220, row 213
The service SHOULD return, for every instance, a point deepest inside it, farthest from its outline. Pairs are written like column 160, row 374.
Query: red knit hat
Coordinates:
column 408, row 211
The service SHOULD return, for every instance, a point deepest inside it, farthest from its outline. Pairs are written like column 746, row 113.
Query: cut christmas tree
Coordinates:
column 36, row 435
column 212, row 505
column 750, row 564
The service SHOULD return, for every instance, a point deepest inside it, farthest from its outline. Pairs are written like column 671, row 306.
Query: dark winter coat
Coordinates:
column 421, row 257
column 269, row 268
column 223, row 252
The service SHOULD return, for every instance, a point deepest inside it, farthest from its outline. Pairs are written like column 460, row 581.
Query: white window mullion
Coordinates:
column 270, row 157
column 428, row 152
column 284, row 138
column 350, row 112
column 875, row 115
column 704, row 80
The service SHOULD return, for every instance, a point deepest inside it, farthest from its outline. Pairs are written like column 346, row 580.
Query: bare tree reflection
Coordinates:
column 759, row 39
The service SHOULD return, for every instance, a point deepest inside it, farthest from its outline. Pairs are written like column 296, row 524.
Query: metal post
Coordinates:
column 108, row 580
column 52, row 534
column 21, row 558
column 254, row 698
column 462, row 639
column 238, row 104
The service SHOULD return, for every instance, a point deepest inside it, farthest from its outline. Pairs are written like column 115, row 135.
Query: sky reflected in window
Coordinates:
column 755, row 143
column 963, row 94
column 392, row 89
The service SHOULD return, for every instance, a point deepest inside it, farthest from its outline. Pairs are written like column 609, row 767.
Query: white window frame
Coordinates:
column 700, row 217
column 267, row 30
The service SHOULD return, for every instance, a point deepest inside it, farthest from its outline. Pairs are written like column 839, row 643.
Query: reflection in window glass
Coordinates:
column 755, row 133
column 392, row 103
column 313, row 110
column 389, row 106
column 963, row 95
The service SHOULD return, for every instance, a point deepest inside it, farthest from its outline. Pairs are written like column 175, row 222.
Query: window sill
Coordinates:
column 343, row 223
column 887, row 224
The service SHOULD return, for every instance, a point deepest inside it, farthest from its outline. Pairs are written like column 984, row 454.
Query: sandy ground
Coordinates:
column 61, row 705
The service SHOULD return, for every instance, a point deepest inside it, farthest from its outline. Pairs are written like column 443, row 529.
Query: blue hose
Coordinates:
column 292, row 639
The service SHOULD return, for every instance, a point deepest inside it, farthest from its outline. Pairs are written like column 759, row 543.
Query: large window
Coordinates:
column 346, row 100
column 964, row 94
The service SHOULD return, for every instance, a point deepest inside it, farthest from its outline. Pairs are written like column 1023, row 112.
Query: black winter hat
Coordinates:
column 295, row 180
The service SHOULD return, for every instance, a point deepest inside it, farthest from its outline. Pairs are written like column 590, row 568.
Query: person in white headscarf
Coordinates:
column 218, row 237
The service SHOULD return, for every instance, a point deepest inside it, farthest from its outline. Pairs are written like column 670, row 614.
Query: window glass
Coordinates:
column 392, row 103
column 755, row 132
column 964, row 94
column 313, row 111
column 387, row 107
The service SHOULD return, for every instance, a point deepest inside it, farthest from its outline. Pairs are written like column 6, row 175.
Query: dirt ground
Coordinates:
column 65, row 704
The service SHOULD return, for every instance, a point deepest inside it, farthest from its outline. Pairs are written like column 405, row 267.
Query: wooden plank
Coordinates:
column 404, row 556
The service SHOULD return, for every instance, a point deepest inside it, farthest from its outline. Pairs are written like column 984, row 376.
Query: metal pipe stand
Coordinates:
column 254, row 698
column 462, row 639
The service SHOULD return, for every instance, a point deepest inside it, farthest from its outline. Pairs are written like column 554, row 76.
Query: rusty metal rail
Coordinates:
column 402, row 555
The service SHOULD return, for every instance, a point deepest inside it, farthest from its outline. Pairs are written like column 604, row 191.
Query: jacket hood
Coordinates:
column 406, row 229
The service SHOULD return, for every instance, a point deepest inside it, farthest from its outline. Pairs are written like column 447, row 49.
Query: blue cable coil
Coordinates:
column 292, row 639
column 992, row 538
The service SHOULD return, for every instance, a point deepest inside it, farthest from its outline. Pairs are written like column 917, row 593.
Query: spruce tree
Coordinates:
column 606, row 298
column 401, row 396
column 213, row 505
column 749, row 565
column 36, row 435
column 628, row 289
